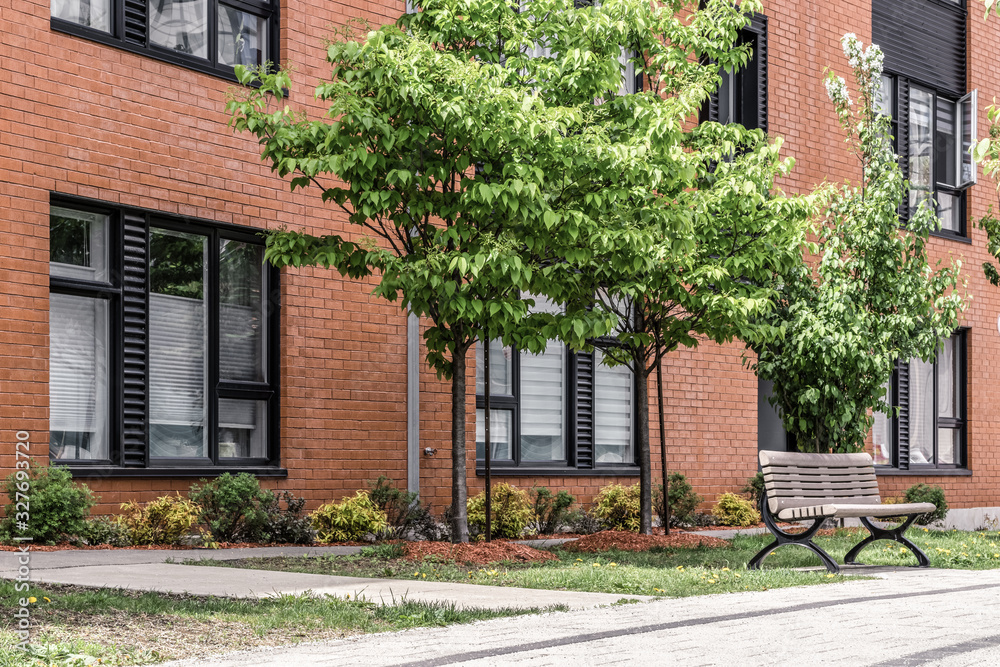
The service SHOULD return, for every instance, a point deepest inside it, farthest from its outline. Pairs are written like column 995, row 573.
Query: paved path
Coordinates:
column 147, row 570
column 929, row 617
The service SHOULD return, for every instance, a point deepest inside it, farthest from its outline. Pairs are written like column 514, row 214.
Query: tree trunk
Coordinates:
column 459, row 488
column 642, row 433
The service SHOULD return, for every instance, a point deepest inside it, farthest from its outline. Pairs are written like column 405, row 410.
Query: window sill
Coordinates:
column 89, row 472
column 924, row 472
column 524, row 471
column 952, row 236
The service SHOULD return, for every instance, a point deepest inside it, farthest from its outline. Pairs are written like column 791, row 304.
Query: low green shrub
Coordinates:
column 233, row 508
column 683, row 500
column 52, row 507
column 617, row 507
column 510, row 508
column 754, row 488
column 386, row 550
column 582, row 522
column 924, row 493
column 549, row 512
column 406, row 515
column 734, row 510
column 162, row 521
column 351, row 519
column 105, row 530
column 289, row 525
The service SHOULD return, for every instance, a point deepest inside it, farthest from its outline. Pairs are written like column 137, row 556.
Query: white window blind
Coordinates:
column 613, row 406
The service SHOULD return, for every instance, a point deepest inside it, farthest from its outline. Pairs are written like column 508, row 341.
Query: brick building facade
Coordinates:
column 115, row 140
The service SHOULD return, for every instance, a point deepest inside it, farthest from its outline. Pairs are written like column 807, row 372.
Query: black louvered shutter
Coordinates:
column 752, row 80
column 584, row 416
column 922, row 40
column 135, row 21
column 903, row 422
column 134, row 328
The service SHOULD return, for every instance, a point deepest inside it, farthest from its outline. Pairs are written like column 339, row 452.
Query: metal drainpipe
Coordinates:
column 413, row 403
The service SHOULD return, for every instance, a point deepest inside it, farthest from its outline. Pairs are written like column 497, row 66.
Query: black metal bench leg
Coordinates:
column 782, row 538
column 896, row 534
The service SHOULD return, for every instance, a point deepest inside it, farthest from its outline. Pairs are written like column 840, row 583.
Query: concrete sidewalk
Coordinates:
column 148, row 570
column 911, row 617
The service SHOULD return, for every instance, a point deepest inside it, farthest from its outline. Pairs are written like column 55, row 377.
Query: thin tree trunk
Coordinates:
column 663, row 442
column 459, row 489
column 642, row 428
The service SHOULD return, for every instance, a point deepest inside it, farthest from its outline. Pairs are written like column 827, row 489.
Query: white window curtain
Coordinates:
column 882, row 432
column 613, row 409
column 177, row 391
column 921, row 412
column 78, row 377
column 500, row 434
column 542, row 397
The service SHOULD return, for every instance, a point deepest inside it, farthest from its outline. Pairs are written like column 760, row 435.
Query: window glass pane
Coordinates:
column 94, row 14
column 921, row 412
column 78, row 377
column 882, row 432
column 242, row 37
column 242, row 428
column 180, row 25
column 241, row 311
column 628, row 73
column 78, row 245
column 885, row 102
column 949, row 440
column 542, row 411
column 177, row 344
column 946, row 143
column 500, row 434
column 613, row 405
column 947, row 377
column 727, row 97
column 968, row 117
column 501, row 370
column 949, row 211
column 921, row 179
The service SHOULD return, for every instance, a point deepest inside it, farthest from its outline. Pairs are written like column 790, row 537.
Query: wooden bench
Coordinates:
column 800, row 487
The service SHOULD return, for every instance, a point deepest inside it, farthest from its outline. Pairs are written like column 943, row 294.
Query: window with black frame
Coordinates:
column 185, row 307
column 742, row 95
column 208, row 35
column 537, row 399
column 929, row 430
column 933, row 113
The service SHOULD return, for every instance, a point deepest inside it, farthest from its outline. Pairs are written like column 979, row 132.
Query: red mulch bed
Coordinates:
column 475, row 553
column 628, row 541
column 66, row 546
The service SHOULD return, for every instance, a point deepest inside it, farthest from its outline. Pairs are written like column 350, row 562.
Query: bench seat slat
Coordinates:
column 781, row 485
column 798, row 459
column 788, row 471
column 839, row 510
column 871, row 492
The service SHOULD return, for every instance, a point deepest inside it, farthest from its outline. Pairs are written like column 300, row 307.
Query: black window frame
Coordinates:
column 749, row 83
column 899, row 428
column 130, row 32
column 129, row 450
column 579, row 402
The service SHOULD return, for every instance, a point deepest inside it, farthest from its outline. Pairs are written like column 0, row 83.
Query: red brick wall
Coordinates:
column 84, row 119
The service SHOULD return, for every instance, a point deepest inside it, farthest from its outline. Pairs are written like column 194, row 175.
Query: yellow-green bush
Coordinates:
column 162, row 521
column 350, row 519
column 734, row 510
column 618, row 507
column 511, row 510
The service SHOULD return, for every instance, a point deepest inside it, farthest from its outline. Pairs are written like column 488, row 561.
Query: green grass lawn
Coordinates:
column 76, row 626
column 674, row 572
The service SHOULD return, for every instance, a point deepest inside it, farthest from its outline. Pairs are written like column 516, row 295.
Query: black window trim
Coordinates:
column 268, row 466
column 899, row 466
column 116, row 38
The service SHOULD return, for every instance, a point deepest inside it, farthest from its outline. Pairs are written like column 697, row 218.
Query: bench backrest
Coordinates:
column 793, row 479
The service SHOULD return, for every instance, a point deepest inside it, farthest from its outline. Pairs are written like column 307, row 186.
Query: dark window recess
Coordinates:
column 742, row 96
column 929, row 431
column 163, row 343
column 210, row 36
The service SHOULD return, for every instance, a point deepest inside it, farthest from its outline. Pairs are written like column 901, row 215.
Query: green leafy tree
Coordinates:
column 871, row 299
column 481, row 152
